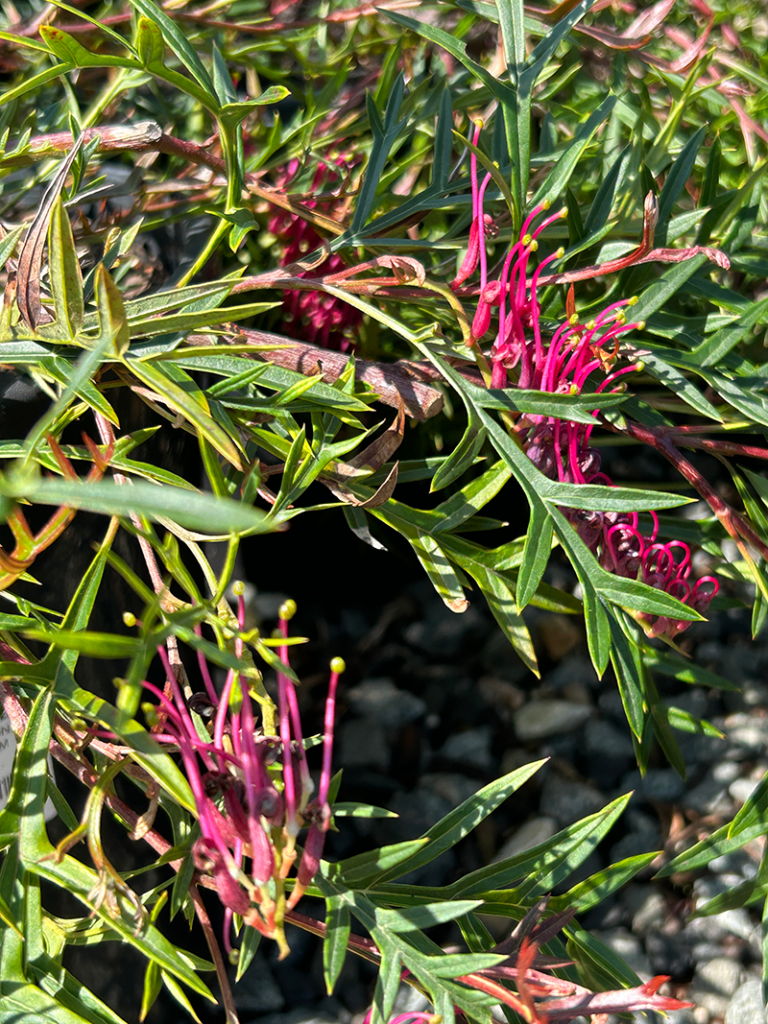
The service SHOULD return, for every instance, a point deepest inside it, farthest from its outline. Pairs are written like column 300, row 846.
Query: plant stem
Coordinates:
column 221, row 968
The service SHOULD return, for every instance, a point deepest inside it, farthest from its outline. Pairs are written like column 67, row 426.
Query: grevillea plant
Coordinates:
column 150, row 185
column 563, row 364
column 242, row 814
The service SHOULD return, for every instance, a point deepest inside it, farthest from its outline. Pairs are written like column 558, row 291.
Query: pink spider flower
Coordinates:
column 312, row 316
column 565, row 363
column 249, row 822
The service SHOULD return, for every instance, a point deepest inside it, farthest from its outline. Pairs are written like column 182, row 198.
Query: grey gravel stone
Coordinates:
column 502, row 696
column 742, row 789
column 257, row 991
column 303, row 1016
column 668, row 955
column 629, row 948
column 541, row 718
column 363, row 742
column 381, row 700
column 662, row 784
column 575, row 669
column 443, row 633
column 709, row 797
column 714, row 983
column 746, row 735
column 737, row 862
column 721, row 975
column 500, row 659
column 450, row 786
column 604, row 739
column 632, row 845
column 472, row 747
column 651, row 915
column 537, row 830
column 567, row 801
column 746, row 1006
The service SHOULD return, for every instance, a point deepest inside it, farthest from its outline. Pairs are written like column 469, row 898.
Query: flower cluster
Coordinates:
column 563, row 363
column 312, row 316
column 252, row 791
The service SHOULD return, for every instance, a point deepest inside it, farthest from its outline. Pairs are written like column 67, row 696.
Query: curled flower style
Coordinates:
column 252, row 792
column 564, row 363
column 314, row 317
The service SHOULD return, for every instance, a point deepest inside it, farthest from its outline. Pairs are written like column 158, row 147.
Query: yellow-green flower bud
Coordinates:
column 338, row 665
column 287, row 610
column 129, row 619
column 238, row 588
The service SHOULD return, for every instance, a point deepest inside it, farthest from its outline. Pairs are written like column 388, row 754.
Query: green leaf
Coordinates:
column 599, row 886
column 602, row 204
column 174, row 38
column 359, row 871
column 94, row 645
column 599, row 967
column 440, row 571
column 538, row 545
column 460, row 822
column 719, row 344
column 81, row 375
column 577, row 408
column 66, row 278
column 461, row 458
column 248, row 946
column 545, row 49
column 66, row 48
column 192, row 510
column 627, row 663
column 557, row 179
column 113, row 324
column 673, row 379
column 385, row 134
column 719, row 843
column 353, row 809
column 501, row 600
column 678, row 175
column 337, row 931
column 27, row 1004
column 411, row 919
column 23, row 814
column 58, row 983
column 754, row 810
column 670, row 282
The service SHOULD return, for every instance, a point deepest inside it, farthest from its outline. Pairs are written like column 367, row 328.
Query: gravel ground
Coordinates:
column 434, row 705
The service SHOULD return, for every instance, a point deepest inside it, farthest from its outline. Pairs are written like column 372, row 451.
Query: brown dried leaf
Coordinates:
column 31, row 256
column 379, row 451
column 384, row 493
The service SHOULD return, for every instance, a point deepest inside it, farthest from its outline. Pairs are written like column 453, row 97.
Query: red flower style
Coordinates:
column 312, row 316
column 575, row 354
column 249, row 812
